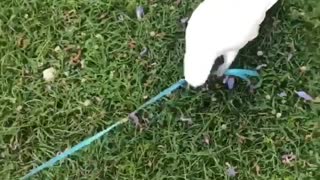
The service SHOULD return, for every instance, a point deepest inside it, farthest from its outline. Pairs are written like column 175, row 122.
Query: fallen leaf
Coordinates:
column 69, row 47
column 257, row 167
column 288, row 159
column 206, row 139
column 75, row 60
column 134, row 118
column 83, row 64
column 241, row 139
column 160, row 35
column 22, row 42
column 308, row 136
column 68, row 16
column 103, row 16
column 317, row 100
column 304, row 95
column 132, row 44
column 14, row 144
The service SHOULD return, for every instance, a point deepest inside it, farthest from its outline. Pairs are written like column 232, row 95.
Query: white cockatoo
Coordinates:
column 220, row 27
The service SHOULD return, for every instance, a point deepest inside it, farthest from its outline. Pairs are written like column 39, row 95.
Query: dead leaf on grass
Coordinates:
column 257, row 168
column 206, row 139
column 160, row 35
column 288, row 159
column 132, row 44
column 23, row 42
column 75, row 60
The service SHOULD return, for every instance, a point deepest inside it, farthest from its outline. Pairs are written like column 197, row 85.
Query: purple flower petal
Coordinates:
column 140, row 12
column 230, row 82
column 304, row 95
column 144, row 52
column 282, row 94
column 231, row 171
column 134, row 118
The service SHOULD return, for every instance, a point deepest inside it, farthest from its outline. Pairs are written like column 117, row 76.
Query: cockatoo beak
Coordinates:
column 197, row 70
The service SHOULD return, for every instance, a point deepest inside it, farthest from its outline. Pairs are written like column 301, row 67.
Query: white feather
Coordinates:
column 220, row 27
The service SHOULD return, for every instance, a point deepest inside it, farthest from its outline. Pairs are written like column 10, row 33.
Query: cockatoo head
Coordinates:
column 197, row 67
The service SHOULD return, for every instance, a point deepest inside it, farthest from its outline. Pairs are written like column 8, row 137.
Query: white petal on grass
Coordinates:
column 87, row 103
column 278, row 115
column 261, row 66
column 282, row 94
column 49, row 74
column 260, row 53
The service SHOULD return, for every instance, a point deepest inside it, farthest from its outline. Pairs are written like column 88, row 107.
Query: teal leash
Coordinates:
column 97, row 136
column 241, row 73
column 74, row 149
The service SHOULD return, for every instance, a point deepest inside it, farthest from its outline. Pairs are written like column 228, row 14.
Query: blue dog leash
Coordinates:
column 97, row 136
column 241, row 73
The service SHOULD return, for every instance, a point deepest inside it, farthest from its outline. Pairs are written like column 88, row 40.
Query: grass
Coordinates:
column 40, row 120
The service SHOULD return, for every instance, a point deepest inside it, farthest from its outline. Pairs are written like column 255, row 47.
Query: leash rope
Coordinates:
column 97, row 136
column 241, row 73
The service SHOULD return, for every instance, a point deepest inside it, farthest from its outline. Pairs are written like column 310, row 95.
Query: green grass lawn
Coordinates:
column 249, row 131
